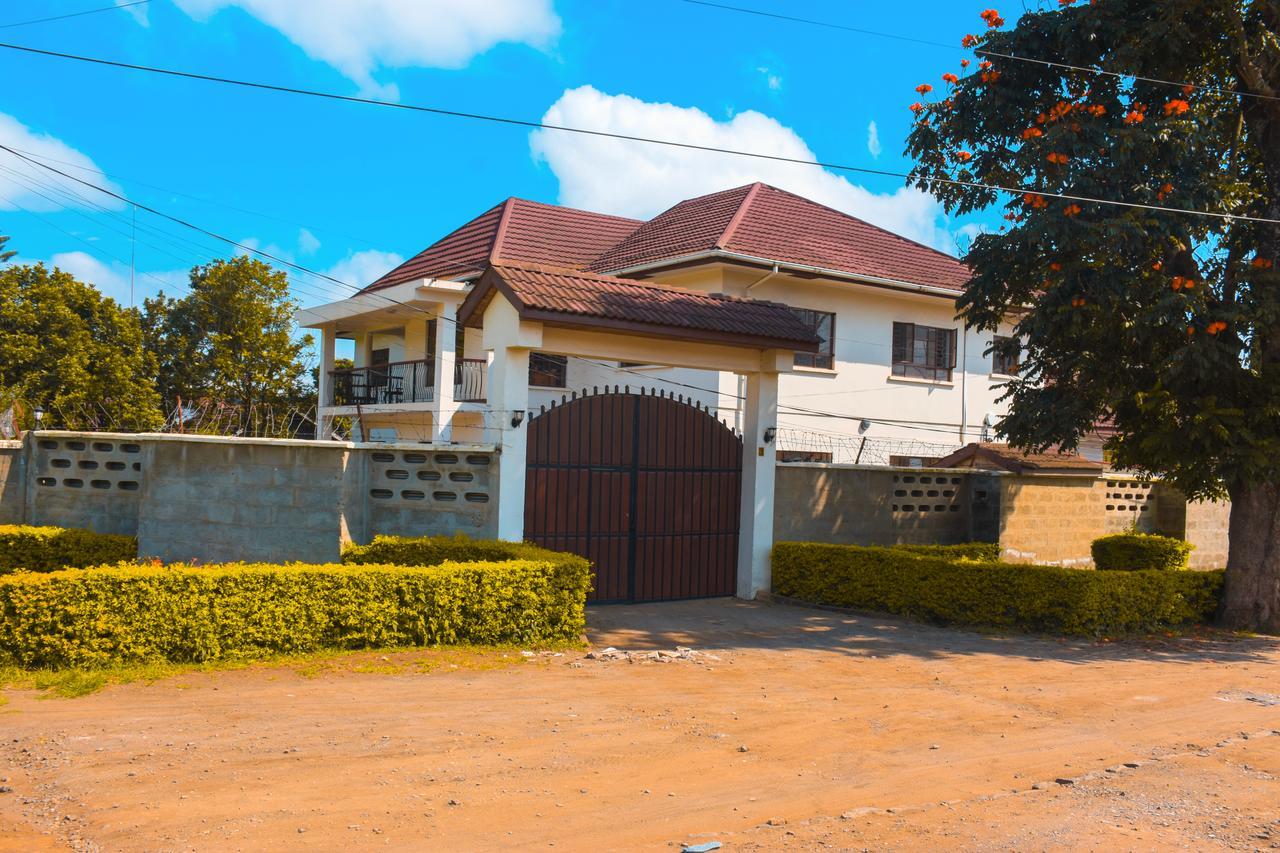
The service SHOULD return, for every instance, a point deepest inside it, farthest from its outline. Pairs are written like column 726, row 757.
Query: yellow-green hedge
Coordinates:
column 132, row 613
column 1136, row 552
column 49, row 549
column 988, row 552
column 430, row 550
column 1027, row 598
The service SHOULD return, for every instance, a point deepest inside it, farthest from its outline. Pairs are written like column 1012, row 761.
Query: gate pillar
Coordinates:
column 755, row 536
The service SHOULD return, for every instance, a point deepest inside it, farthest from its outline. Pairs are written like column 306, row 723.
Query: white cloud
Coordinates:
column 873, row 140
column 308, row 243
column 358, row 269
column 38, row 189
column 138, row 11
column 361, row 38
column 639, row 179
column 772, row 80
column 112, row 277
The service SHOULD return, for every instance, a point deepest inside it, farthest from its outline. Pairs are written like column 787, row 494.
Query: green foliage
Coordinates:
column 50, row 549
column 1002, row 595
column 229, row 340
column 69, row 350
column 1136, row 552
column 1165, row 323
column 431, row 550
column 979, row 551
column 137, row 614
column 5, row 254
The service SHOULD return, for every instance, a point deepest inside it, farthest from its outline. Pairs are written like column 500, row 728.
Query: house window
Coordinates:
column 378, row 361
column 923, row 352
column 1001, row 361
column 823, row 324
column 547, row 371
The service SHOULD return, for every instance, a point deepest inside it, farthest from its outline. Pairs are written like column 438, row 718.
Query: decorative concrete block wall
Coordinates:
column 215, row 499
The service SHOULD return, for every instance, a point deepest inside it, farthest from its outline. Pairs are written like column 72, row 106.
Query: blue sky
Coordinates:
column 353, row 189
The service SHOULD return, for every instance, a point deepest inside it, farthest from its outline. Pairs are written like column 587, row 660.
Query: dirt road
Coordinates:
column 798, row 728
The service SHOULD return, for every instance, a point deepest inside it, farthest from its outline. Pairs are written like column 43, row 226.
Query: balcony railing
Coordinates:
column 469, row 379
column 397, row 382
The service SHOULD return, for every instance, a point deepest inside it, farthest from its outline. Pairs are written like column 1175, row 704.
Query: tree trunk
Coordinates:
column 1251, row 599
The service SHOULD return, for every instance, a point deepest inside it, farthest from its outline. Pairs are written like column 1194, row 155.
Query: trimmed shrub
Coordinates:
column 134, row 613
column 1137, row 552
column 1003, row 595
column 50, row 549
column 432, row 550
column 985, row 552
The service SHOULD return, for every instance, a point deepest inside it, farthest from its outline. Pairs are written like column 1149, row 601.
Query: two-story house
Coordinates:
column 896, row 378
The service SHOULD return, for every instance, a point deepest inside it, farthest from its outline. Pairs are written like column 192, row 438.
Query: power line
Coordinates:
column 831, row 25
column 73, row 14
column 624, row 137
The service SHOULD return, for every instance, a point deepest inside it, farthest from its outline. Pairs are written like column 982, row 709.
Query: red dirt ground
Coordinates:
column 843, row 731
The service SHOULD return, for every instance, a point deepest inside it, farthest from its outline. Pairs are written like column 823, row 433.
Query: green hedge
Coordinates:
column 987, row 552
column 50, row 549
column 1136, row 552
column 132, row 613
column 431, row 550
column 1006, row 595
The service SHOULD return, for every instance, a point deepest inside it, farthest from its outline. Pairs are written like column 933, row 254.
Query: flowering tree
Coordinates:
column 1164, row 323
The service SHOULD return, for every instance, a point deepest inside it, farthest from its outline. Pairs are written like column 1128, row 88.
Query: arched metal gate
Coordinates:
column 646, row 486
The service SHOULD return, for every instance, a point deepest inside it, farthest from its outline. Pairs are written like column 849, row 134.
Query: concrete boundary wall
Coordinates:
column 214, row 499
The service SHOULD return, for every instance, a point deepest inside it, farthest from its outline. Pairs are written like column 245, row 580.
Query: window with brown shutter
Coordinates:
column 823, row 324
column 923, row 352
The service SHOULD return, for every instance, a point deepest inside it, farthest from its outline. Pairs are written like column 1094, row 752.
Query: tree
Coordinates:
column 5, row 254
column 229, row 341
column 67, row 349
column 1167, row 324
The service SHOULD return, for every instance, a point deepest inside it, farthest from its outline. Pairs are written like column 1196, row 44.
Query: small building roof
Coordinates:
column 572, row 298
column 993, row 456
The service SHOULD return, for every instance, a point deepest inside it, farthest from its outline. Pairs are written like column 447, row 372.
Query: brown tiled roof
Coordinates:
column 774, row 225
column 992, row 455
column 516, row 230
column 570, row 297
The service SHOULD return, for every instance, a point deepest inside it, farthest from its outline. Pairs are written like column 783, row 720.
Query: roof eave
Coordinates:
column 825, row 272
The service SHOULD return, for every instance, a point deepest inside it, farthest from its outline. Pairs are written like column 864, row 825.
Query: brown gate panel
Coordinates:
column 647, row 487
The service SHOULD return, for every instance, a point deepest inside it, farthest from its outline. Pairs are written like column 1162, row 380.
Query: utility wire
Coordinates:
column 73, row 14
column 647, row 140
column 831, row 25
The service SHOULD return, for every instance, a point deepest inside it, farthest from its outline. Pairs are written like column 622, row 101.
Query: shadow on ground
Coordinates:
column 727, row 624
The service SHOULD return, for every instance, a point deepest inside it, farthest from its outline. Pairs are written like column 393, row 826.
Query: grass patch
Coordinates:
column 412, row 660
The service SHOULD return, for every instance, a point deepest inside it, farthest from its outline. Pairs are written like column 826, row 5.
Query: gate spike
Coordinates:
column 594, row 390
column 573, row 394
column 626, row 389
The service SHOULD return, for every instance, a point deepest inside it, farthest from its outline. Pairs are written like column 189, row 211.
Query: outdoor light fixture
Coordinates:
column 39, row 416
column 863, row 426
column 769, row 433
column 517, row 419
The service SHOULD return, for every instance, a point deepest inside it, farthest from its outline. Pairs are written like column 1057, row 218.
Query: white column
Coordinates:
column 324, row 385
column 445, row 358
column 509, row 396
column 755, row 539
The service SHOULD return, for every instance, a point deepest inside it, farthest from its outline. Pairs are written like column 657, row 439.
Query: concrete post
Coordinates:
column 508, row 398
column 755, row 539
column 445, row 358
column 324, row 385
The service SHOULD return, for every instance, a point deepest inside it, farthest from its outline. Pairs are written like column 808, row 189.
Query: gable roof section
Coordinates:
column 765, row 222
column 569, row 297
column 515, row 230
column 993, row 456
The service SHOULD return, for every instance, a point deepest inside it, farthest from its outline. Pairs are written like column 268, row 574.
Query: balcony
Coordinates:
column 384, row 384
column 469, row 380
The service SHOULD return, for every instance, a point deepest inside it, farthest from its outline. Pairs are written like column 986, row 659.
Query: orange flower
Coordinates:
column 1177, row 282
column 964, row 63
column 969, row 40
column 1034, row 201
column 993, row 19
column 1078, row 302
column 1135, row 117
column 1060, row 110
column 916, row 107
column 964, row 156
column 1032, row 133
column 1215, row 327
column 1164, row 192
column 1071, row 210
column 984, row 64
column 1157, row 266
column 1065, row 2
column 1097, row 110
column 1176, row 107
column 1187, row 90
column 924, row 88
column 1191, row 330
column 950, row 78
column 1055, row 266
column 990, row 76
column 1262, row 264
column 1058, row 159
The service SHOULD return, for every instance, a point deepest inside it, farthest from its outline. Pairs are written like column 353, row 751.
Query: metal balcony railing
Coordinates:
column 469, row 380
column 383, row 384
